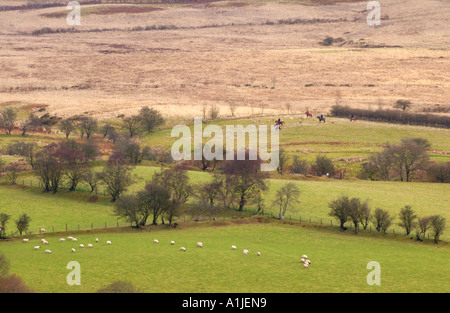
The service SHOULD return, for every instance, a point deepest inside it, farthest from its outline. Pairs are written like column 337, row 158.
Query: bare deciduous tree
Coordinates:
column 339, row 210
column 407, row 219
column 286, row 198
column 437, row 226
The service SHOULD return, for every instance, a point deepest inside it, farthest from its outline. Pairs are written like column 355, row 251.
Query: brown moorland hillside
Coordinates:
column 261, row 56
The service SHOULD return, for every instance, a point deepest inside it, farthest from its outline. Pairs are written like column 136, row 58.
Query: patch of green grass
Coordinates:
column 338, row 261
column 54, row 211
column 425, row 198
column 337, row 139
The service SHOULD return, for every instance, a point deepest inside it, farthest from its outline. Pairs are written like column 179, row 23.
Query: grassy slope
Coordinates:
column 49, row 210
column 339, row 262
column 337, row 139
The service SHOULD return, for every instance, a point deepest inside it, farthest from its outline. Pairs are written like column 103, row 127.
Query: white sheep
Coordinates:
column 308, row 262
column 81, row 245
column 25, row 240
column 96, row 239
column 304, row 256
column 48, row 252
column 108, row 242
column 305, row 265
column 199, row 245
column 233, row 248
column 245, row 251
column 183, row 249
column 36, row 247
column 155, row 241
column 70, row 238
column 302, row 260
column 172, row 243
column 73, row 250
column 42, row 230
column 90, row 246
column 45, row 242
column 42, row 240
column 258, row 253
column 62, row 239
column 74, row 239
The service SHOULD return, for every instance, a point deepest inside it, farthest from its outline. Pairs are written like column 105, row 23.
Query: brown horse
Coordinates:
column 352, row 118
column 308, row 114
column 321, row 118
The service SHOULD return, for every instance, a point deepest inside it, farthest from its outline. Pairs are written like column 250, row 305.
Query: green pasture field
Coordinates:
column 337, row 139
column 339, row 261
column 73, row 208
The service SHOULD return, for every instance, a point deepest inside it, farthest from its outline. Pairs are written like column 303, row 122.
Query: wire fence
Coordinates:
column 231, row 215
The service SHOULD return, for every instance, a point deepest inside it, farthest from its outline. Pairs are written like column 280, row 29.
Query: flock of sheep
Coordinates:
column 200, row 245
column 304, row 259
column 70, row 238
column 306, row 262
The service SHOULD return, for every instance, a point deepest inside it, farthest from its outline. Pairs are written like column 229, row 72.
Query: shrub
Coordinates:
column 150, row 119
column 439, row 172
column 323, row 166
column 299, row 166
column 437, row 226
column 402, row 104
column 13, row 284
column 119, row 287
column 23, row 223
column 392, row 116
column 4, row 265
column 382, row 220
column 407, row 219
column 213, row 112
column 339, row 210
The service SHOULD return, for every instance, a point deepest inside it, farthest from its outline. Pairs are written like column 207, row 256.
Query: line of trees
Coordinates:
column 322, row 165
column 359, row 213
column 404, row 161
column 22, row 223
column 393, row 116
column 147, row 120
column 240, row 184
column 9, row 122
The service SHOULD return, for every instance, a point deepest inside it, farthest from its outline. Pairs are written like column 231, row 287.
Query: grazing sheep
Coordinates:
column 25, row 240
column 302, row 260
column 308, row 262
column 81, row 245
column 305, row 265
column 233, row 248
column 304, row 256
column 172, row 243
column 45, row 242
column 245, row 251
column 42, row 240
column 183, row 249
column 199, row 245
column 70, row 238
column 90, row 246
column 62, row 239
column 258, row 253
column 36, row 247
column 96, row 239
column 48, row 252
column 73, row 250
column 74, row 239
column 42, row 230
column 108, row 242
column 155, row 241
